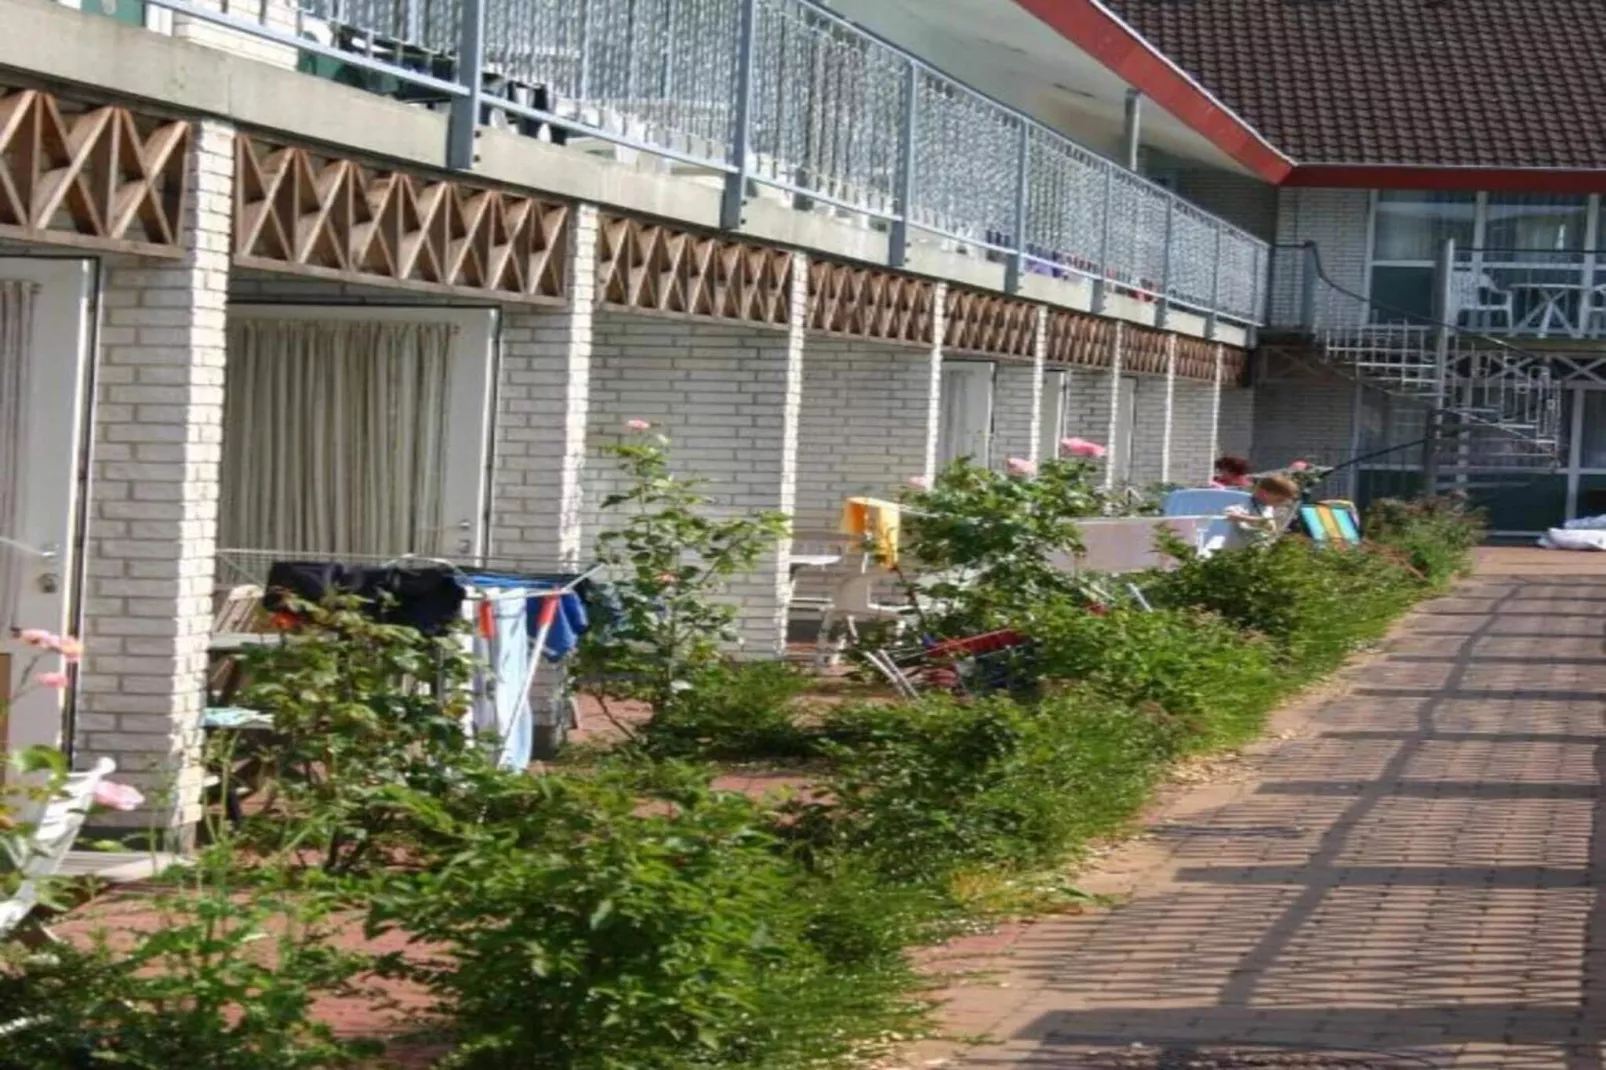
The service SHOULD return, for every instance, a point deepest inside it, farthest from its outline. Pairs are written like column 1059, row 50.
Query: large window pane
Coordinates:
column 1592, row 434
column 1412, row 225
column 1402, row 294
column 1536, row 222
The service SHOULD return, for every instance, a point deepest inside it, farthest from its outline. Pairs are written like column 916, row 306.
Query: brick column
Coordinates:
column 1018, row 401
column 1215, row 409
column 152, row 521
column 1170, row 407
column 728, row 395
column 939, row 327
column 544, row 395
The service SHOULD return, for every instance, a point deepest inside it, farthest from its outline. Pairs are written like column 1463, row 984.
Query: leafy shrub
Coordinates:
column 357, row 706
column 227, row 977
column 1215, row 681
column 924, row 789
column 1318, row 605
column 734, row 711
column 1003, row 532
column 670, row 560
column 1436, row 534
column 588, row 928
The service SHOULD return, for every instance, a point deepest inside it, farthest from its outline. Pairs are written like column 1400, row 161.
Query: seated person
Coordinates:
column 1258, row 524
column 1232, row 473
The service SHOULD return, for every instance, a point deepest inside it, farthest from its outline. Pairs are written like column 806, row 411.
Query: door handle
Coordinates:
column 49, row 579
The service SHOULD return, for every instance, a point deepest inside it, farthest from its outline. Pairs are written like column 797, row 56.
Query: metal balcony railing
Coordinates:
column 783, row 94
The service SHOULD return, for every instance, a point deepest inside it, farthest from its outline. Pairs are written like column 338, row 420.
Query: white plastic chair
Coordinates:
column 55, row 827
column 1474, row 294
column 853, row 601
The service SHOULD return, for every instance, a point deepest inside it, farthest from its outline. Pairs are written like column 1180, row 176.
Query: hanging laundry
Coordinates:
column 572, row 619
column 427, row 597
column 501, row 708
column 877, row 520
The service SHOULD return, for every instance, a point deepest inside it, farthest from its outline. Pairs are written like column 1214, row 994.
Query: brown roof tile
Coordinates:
column 1487, row 83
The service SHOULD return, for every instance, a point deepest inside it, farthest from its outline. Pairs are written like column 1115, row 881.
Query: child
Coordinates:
column 1231, row 473
column 1258, row 524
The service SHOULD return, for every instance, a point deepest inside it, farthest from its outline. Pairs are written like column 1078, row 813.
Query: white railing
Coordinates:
column 782, row 94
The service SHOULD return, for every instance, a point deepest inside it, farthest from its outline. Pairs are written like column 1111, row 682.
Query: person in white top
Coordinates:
column 1257, row 524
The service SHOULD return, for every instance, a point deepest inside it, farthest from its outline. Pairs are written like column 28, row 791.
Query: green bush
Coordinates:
column 1215, row 682
column 1435, row 534
column 734, row 711
column 926, row 789
column 595, row 927
column 1319, row 605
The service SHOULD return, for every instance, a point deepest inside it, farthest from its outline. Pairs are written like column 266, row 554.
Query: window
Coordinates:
column 1409, row 230
column 1537, row 222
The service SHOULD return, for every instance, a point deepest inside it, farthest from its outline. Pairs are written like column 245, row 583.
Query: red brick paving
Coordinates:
column 1408, row 864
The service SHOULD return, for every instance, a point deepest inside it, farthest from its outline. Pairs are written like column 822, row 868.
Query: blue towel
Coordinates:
column 571, row 622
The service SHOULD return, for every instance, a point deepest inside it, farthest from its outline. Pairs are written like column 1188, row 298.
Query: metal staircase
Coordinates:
column 1492, row 411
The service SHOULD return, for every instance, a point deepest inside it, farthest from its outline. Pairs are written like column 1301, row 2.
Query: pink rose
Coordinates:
column 40, row 638
column 638, row 425
column 118, row 796
column 70, row 648
column 53, row 680
column 666, row 577
column 1299, row 466
column 1020, row 466
column 920, row 482
column 1081, row 447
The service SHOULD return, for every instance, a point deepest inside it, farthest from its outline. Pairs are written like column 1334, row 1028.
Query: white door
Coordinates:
column 1055, row 388
column 468, row 417
column 1126, row 412
column 967, row 412
column 45, row 366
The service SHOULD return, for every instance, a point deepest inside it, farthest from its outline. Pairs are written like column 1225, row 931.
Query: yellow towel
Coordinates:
column 880, row 520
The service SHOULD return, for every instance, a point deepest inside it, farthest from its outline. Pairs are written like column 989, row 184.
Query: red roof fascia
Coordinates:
column 1092, row 28
column 1470, row 179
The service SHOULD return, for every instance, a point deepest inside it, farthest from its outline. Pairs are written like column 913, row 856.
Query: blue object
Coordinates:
column 571, row 622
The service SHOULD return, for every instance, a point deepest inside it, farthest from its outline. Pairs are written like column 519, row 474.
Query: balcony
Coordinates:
column 784, row 100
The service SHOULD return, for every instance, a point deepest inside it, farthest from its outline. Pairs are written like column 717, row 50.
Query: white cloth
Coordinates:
column 334, row 436
column 1574, row 539
column 16, row 345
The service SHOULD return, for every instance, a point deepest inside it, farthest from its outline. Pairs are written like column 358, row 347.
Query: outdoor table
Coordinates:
column 1547, row 310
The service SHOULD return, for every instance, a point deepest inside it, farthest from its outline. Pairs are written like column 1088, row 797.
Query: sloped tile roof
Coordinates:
column 1476, row 83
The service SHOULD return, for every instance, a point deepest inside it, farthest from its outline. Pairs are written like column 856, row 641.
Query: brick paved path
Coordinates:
column 1413, row 871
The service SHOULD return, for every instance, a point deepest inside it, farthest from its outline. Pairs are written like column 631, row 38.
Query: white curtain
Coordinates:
column 334, row 436
column 16, row 345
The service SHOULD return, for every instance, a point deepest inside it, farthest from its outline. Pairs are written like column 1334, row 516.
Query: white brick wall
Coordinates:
column 1302, row 411
column 865, row 424
column 729, row 397
column 1236, row 433
column 1150, row 417
column 1337, row 220
column 543, row 399
column 1193, row 448
column 153, row 500
column 1017, row 404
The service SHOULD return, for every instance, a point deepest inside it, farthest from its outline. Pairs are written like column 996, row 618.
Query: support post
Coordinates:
column 1162, row 308
column 463, row 124
column 1212, row 318
column 730, row 210
column 898, row 238
column 1309, row 279
column 1023, row 163
column 1101, row 286
column 1443, row 309
column 1132, row 134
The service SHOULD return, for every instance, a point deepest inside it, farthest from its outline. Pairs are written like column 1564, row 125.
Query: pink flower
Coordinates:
column 70, row 648
column 638, row 425
column 1081, row 447
column 118, row 796
column 53, row 680
column 920, row 482
column 666, row 577
column 40, row 638
column 1299, row 466
column 1020, row 466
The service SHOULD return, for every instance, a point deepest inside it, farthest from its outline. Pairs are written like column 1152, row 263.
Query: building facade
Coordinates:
column 370, row 281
